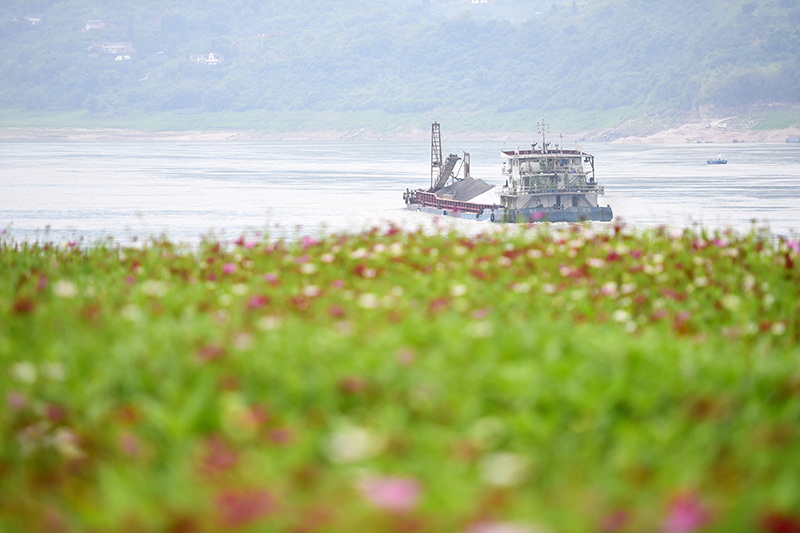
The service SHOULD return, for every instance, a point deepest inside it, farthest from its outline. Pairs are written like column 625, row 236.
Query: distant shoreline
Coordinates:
column 686, row 133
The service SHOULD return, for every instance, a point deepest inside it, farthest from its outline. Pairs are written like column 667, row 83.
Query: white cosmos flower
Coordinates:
column 65, row 289
column 352, row 444
column 504, row 469
column 458, row 290
column 24, row 372
column 369, row 301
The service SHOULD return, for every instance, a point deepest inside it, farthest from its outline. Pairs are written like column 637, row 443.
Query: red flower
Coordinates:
column 238, row 507
column 210, row 352
column 680, row 324
column 55, row 413
column 218, row 457
column 478, row 273
column 279, row 435
column 614, row 522
column 438, row 305
column 300, row 302
column 659, row 314
column 780, row 523
column 393, row 230
column 24, row 306
column 672, row 295
column 352, row 385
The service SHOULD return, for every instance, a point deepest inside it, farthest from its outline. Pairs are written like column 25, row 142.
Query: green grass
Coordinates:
column 542, row 379
column 775, row 120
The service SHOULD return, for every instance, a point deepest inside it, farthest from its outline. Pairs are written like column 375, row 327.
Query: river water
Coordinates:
column 61, row 190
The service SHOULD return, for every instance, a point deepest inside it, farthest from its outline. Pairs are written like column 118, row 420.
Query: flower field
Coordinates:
column 527, row 380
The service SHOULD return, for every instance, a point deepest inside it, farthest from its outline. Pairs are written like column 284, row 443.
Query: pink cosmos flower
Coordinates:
column 480, row 314
column 305, row 258
column 539, row 215
column 499, row 527
column 210, row 352
column 794, row 245
column 405, row 357
column 250, row 244
column 686, row 513
column 229, row 268
column 391, row 493
column 337, row 284
column 16, row 400
column 257, row 300
column 129, row 444
column 271, row 278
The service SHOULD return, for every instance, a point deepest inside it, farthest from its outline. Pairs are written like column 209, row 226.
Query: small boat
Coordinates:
column 717, row 161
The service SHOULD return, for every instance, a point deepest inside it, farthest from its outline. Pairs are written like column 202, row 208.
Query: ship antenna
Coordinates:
column 544, row 127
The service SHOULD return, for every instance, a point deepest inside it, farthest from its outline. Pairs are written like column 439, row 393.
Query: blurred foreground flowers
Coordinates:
column 527, row 380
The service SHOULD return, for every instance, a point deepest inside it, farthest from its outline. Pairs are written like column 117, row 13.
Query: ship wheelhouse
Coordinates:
column 549, row 179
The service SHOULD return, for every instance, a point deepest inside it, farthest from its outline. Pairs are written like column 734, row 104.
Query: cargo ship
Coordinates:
column 540, row 185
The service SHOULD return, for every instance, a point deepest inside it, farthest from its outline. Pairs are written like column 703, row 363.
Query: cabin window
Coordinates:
column 574, row 201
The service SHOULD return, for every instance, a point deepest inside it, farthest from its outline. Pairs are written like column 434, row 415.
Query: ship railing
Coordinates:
column 429, row 199
column 577, row 190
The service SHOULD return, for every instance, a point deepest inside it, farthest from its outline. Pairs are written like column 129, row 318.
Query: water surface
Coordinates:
column 185, row 189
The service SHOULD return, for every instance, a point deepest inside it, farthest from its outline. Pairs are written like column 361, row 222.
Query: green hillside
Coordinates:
column 331, row 59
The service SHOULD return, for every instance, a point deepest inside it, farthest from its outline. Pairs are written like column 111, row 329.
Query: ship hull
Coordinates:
column 535, row 214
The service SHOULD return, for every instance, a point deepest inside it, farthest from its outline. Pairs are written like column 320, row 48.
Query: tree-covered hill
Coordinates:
column 397, row 56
